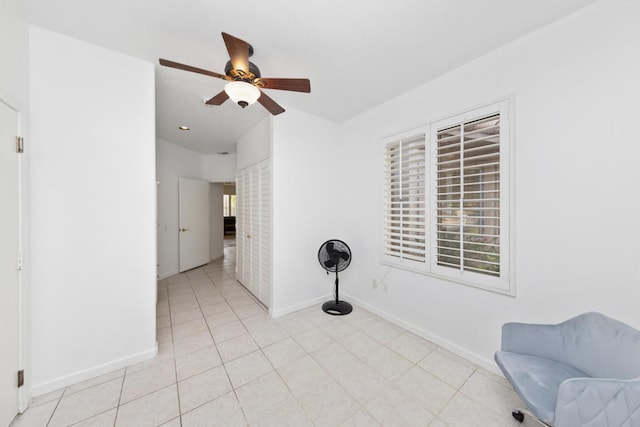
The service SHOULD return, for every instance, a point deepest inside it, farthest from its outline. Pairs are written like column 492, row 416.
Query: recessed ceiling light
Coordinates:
column 184, row 128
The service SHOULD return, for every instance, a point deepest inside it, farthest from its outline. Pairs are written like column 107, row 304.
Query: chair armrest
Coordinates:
column 598, row 402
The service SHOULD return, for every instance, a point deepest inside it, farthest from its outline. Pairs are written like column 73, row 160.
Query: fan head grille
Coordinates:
column 334, row 255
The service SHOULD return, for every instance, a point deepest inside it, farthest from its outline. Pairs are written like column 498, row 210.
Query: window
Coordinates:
column 447, row 199
column 405, row 223
column 229, row 205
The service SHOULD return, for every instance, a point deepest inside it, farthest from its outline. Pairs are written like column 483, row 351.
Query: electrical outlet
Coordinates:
column 384, row 287
column 374, row 283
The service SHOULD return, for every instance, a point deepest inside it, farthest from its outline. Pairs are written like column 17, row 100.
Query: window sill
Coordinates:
column 508, row 292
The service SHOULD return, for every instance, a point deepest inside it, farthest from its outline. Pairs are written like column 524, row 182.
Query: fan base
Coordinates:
column 337, row 308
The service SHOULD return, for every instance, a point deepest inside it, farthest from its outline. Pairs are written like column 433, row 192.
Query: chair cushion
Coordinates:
column 536, row 380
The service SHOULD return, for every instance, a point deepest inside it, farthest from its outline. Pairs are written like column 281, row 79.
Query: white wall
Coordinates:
column 93, row 210
column 172, row 162
column 255, row 146
column 217, row 221
column 305, row 213
column 14, row 75
column 219, row 168
column 577, row 94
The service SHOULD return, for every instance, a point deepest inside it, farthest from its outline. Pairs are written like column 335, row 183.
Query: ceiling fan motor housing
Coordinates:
column 254, row 72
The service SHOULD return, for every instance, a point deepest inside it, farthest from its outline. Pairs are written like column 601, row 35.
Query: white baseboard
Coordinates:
column 301, row 306
column 167, row 275
column 483, row 362
column 86, row 374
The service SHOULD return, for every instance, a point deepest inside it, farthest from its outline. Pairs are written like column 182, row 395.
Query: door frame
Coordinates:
column 24, row 392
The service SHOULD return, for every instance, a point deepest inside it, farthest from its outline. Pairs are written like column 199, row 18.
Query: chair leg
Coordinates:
column 520, row 413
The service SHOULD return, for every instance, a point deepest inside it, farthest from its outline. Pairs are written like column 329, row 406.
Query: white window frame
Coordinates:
column 404, row 262
column 229, row 205
column 503, row 284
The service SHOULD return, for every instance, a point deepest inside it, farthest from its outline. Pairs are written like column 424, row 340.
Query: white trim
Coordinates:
column 297, row 307
column 459, row 281
column 24, row 392
column 167, row 275
column 95, row 371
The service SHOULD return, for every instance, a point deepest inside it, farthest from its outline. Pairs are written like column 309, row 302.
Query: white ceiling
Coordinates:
column 357, row 54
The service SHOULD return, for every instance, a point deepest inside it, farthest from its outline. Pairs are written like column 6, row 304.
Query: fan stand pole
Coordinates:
column 337, row 307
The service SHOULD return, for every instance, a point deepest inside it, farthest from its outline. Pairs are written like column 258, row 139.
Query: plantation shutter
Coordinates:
column 405, row 199
column 468, row 210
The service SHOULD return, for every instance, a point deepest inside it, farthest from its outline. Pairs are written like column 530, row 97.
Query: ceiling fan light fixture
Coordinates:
column 242, row 93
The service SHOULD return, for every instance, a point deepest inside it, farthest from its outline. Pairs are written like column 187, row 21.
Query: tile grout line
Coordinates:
column 332, row 376
column 260, row 348
column 57, row 404
column 233, row 389
column 174, row 358
column 56, row 408
column 382, row 345
column 115, row 419
column 175, row 368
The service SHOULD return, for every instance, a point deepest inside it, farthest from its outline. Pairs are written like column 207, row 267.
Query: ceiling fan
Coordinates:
column 245, row 81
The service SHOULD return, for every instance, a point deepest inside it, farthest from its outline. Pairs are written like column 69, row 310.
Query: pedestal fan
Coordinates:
column 334, row 256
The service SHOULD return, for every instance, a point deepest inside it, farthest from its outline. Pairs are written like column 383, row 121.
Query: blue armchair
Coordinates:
column 582, row 372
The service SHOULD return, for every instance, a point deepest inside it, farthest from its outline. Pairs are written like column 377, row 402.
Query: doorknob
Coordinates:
column 183, row 229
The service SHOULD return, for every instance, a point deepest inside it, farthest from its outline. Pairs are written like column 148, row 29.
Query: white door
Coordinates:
column 9, row 241
column 240, row 231
column 194, row 228
column 244, row 212
column 254, row 232
column 253, row 192
column 265, row 234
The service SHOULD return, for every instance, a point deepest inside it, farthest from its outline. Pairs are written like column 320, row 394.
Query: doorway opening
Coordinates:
column 229, row 209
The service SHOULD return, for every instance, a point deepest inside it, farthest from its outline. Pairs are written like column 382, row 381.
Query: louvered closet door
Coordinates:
column 246, row 221
column 254, row 232
column 243, row 228
column 240, row 230
column 265, row 234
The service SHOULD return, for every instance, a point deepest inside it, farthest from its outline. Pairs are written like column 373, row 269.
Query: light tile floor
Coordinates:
column 224, row 362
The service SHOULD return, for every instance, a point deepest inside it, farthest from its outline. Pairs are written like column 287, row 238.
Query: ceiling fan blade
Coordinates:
column 296, row 85
column 271, row 105
column 218, row 99
column 184, row 67
column 238, row 52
